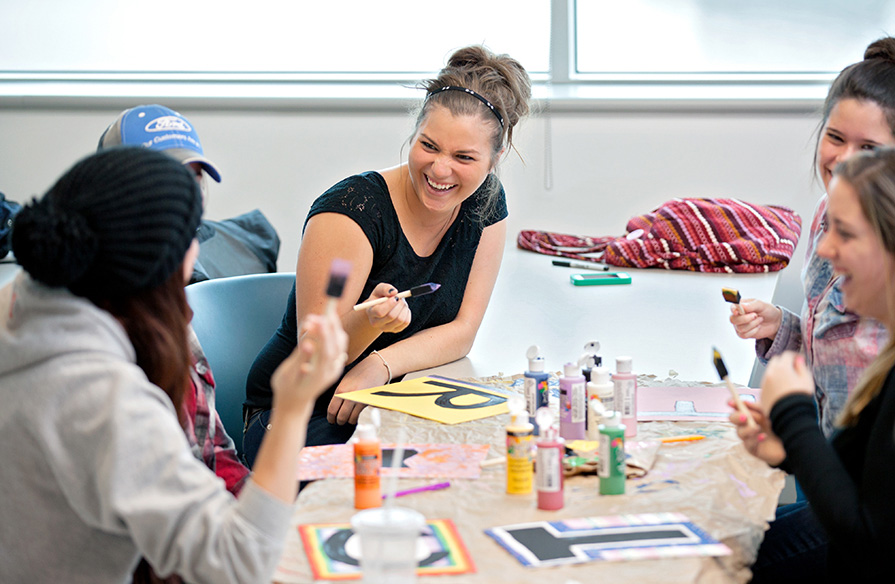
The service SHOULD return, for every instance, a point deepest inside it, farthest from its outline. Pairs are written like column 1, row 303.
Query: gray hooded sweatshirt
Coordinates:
column 94, row 467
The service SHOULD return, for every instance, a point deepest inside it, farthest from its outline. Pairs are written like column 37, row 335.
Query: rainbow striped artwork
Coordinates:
column 334, row 553
column 608, row 538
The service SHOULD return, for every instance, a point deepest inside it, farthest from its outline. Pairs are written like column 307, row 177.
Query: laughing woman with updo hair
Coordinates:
column 440, row 216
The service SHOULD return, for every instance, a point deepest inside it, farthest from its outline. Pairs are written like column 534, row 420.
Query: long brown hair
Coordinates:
column 872, row 176
column 156, row 322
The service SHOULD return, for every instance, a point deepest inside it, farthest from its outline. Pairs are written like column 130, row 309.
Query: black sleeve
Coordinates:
column 851, row 515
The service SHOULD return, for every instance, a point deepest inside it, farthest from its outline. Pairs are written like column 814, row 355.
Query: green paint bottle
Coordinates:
column 611, row 465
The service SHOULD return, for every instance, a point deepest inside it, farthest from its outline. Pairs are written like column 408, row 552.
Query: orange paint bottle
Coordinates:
column 367, row 464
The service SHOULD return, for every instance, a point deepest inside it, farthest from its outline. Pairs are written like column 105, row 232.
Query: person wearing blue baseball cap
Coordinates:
column 160, row 128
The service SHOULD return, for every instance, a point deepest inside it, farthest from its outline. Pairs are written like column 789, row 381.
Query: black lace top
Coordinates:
column 365, row 199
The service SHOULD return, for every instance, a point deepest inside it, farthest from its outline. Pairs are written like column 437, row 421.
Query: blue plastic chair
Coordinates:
column 233, row 319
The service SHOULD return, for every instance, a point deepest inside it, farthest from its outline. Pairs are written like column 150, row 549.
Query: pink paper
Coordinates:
column 452, row 461
column 693, row 404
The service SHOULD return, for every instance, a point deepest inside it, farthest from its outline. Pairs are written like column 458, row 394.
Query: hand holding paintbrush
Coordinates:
column 415, row 291
column 722, row 372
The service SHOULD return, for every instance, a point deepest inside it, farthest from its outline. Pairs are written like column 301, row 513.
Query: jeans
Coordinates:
column 320, row 432
column 794, row 548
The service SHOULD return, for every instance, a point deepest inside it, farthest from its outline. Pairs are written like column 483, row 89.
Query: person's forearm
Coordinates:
column 276, row 466
column 360, row 333
column 430, row 348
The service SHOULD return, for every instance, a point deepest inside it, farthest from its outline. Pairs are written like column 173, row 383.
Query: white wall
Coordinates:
column 607, row 166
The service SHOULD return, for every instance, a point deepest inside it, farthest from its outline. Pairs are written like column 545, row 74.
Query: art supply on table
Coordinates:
column 549, row 475
column 535, row 385
column 493, row 461
column 606, row 279
column 589, row 359
column 582, row 265
column 433, row 397
column 388, row 544
column 608, row 538
column 688, row 438
column 420, row 290
column 572, row 403
column 722, row 372
column 688, row 403
column 611, row 464
column 420, row 461
column 600, row 396
column 626, row 394
column 424, row 488
column 367, row 464
column 327, row 545
column 732, row 295
column 520, row 466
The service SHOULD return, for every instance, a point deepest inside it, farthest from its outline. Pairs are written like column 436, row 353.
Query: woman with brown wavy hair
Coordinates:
column 93, row 367
column 846, row 529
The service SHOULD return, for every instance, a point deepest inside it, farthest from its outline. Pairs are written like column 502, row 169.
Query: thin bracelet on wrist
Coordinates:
column 384, row 362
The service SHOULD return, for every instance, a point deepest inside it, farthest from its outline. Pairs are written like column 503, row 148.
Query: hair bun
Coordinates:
column 469, row 57
column 883, row 48
column 56, row 246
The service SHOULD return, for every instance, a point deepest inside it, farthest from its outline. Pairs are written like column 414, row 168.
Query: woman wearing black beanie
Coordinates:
column 93, row 365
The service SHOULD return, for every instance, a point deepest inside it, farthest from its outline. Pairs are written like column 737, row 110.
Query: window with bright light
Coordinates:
column 726, row 36
column 264, row 36
column 350, row 39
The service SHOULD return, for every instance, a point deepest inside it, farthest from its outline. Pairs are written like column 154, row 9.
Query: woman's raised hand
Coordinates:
column 315, row 364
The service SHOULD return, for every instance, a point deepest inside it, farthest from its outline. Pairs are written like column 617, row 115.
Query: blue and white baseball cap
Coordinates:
column 158, row 128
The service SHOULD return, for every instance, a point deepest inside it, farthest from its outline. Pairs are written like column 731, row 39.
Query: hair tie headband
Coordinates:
column 481, row 98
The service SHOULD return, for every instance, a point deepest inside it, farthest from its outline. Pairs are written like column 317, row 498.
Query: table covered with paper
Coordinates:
column 709, row 495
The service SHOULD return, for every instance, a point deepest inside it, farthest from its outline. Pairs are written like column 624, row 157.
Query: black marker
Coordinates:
column 583, row 265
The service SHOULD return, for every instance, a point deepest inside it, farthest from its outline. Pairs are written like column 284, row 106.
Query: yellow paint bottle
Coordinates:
column 520, row 467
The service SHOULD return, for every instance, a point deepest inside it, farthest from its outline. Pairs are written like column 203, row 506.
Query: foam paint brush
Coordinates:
column 722, row 372
column 338, row 275
column 420, row 290
column 732, row 295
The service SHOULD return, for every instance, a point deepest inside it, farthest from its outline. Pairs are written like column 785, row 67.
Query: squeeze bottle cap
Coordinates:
column 587, row 361
column 612, row 419
column 366, row 432
column 623, row 364
column 600, row 376
column 544, row 417
column 535, row 361
column 570, row 370
column 516, row 404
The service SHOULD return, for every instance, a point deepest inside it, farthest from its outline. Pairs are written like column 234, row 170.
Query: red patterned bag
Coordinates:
column 701, row 235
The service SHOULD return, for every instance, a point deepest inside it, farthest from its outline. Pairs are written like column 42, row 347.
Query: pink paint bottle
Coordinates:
column 548, row 473
column 572, row 403
column 626, row 394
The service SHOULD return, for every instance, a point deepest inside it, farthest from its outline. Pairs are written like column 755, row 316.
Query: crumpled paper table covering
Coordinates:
column 723, row 490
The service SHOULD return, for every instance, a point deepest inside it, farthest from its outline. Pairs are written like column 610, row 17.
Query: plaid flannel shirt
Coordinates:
column 208, row 440
column 838, row 345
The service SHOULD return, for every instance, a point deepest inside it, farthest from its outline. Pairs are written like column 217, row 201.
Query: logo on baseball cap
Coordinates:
column 158, row 128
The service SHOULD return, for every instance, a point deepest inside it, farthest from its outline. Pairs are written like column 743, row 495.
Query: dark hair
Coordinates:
column 872, row 176
column 501, row 80
column 872, row 79
column 156, row 321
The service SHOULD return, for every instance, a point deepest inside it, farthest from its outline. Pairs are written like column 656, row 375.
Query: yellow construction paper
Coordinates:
column 440, row 399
